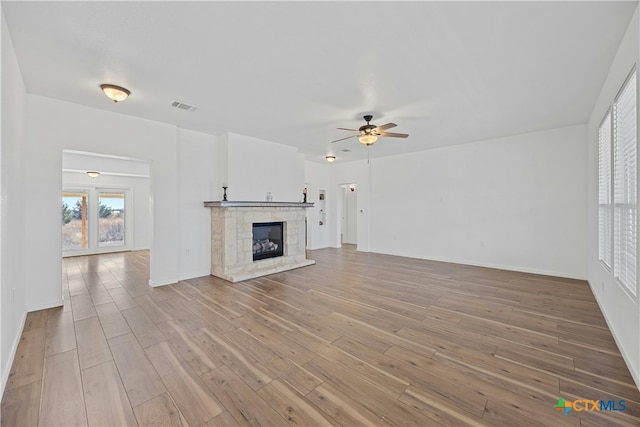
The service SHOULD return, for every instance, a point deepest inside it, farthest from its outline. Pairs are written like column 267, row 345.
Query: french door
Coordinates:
column 96, row 220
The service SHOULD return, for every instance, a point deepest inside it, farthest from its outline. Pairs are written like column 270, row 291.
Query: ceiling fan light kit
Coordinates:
column 368, row 139
column 369, row 134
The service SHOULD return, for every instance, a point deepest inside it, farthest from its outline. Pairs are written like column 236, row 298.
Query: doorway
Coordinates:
column 349, row 218
column 106, row 203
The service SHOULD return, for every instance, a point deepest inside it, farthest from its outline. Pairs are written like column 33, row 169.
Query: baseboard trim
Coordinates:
column 162, row 282
column 6, row 370
column 525, row 270
column 490, row 265
column 634, row 374
column 45, row 305
column 194, row 274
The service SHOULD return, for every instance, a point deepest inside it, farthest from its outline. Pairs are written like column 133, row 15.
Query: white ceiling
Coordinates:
column 291, row 72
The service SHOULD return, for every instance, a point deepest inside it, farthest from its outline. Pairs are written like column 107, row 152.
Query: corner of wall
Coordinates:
column 6, row 369
column 13, row 286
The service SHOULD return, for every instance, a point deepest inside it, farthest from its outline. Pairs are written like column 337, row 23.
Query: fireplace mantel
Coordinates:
column 232, row 244
column 248, row 204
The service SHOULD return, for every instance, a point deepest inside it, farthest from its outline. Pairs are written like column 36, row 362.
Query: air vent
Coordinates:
column 182, row 106
column 345, row 150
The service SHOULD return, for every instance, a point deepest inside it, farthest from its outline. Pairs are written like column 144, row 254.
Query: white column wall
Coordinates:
column 13, row 286
column 197, row 182
column 256, row 166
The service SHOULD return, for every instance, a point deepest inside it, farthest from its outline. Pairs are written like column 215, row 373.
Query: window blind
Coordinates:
column 605, row 207
column 624, row 185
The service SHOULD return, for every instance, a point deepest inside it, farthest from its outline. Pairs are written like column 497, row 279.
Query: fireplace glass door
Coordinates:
column 268, row 240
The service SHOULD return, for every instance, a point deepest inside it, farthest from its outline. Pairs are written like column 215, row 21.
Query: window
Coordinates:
column 618, row 187
column 604, row 191
column 625, row 178
column 111, row 225
column 75, row 230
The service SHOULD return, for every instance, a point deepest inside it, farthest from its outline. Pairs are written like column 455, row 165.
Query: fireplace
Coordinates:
column 268, row 240
column 232, row 224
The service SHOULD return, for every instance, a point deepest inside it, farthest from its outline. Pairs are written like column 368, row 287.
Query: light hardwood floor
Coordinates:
column 357, row 339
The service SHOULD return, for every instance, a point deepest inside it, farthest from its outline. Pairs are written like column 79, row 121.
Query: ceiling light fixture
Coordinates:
column 368, row 139
column 93, row 174
column 330, row 158
column 115, row 93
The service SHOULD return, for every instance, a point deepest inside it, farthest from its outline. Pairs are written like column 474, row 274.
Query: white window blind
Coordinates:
column 605, row 207
column 624, row 185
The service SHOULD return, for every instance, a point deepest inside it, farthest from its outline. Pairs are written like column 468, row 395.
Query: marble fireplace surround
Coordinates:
column 232, row 238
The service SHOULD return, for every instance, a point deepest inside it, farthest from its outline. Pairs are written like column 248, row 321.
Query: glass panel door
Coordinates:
column 111, row 221
column 75, row 221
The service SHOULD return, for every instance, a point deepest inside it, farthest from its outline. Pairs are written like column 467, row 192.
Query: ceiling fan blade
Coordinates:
column 342, row 139
column 387, row 126
column 394, row 135
column 352, row 130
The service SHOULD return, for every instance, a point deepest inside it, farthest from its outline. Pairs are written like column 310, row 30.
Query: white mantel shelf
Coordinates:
column 247, row 204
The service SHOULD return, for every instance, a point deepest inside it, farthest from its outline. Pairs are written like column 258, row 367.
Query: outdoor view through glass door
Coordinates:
column 111, row 222
column 75, row 221
column 95, row 220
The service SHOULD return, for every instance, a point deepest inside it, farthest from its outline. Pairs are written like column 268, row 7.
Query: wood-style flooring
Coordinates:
column 357, row 339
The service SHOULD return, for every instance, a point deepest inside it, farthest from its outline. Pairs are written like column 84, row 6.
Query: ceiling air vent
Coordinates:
column 345, row 150
column 182, row 106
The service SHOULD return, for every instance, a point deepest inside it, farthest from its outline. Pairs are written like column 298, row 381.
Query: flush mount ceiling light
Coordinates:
column 115, row 93
column 93, row 174
column 330, row 158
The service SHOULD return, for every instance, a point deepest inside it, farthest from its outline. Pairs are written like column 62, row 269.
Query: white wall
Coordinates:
column 222, row 165
column 182, row 177
column 140, row 187
column 256, row 166
column 54, row 126
column 517, row 203
column 13, row 290
column 80, row 161
column 621, row 311
column 197, row 182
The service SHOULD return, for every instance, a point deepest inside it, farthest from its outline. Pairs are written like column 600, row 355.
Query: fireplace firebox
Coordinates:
column 268, row 240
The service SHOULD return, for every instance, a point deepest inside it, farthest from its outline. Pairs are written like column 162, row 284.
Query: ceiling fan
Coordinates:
column 368, row 134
